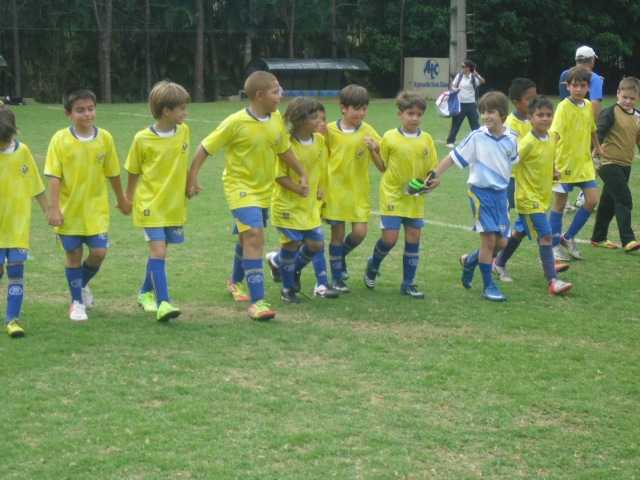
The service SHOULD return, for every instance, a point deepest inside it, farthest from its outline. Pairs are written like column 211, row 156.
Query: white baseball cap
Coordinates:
column 585, row 52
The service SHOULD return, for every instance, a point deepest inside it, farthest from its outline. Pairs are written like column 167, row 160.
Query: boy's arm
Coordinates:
column 442, row 167
column 132, row 183
column 193, row 188
column 42, row 200
column 54, row 215
column 374, row 150
column 597, row 148
column 292, row 162
column 289, row 184
column 122, row 203
column 605, row 124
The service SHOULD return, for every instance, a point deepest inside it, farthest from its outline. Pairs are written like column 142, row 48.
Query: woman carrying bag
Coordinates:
column 466, row 84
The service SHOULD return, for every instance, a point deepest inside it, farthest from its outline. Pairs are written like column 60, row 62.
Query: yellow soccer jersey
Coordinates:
column 250, row 156
column 162, row 164
column 404, row 158
column 347, row 191
column 534, row 173
column 574, row 124
column 82, row 168
column 288, row 209
column 19, row 182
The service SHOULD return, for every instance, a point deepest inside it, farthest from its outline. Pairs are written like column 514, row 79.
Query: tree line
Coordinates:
column 120, row 48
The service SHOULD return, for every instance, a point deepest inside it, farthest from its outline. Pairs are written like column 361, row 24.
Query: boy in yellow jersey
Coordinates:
column 19, row 182
column 78, row 160
column 157, row 164
column 252, row 138
column 408, row 153
column 298, row 217
column 534, row 175
column 574, row 124
column 352, row 144
column 619, row 132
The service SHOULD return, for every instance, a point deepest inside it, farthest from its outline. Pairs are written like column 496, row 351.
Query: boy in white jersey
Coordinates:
column 352, row 143
column 489, row 152
column 296, row 216
column 534, row 175
column 252, row 138
column 78, row 160
column 575, row 125
column 408, row 153
column 158, row 160
column 19, row 182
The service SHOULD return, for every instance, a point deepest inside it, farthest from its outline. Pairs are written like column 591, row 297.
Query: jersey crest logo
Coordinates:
column 567, row 172
column 243, row 194
column 101, row 157
column 185, row 145
column 390, row 208
column 24, row 170
column 285, row 215
column 536, row 205
column 278, row 138
column 425, row 153
column 147, row 213
column 359, row 153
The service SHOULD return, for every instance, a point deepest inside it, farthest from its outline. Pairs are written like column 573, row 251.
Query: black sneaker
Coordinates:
column 370, row 275
column 289, row 296
column 326, row 291
column 275, row 269
column 412, row 291
column 296, row 281
column 340, row 286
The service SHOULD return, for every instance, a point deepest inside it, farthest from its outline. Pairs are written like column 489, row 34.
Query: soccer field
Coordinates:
column 372, row 385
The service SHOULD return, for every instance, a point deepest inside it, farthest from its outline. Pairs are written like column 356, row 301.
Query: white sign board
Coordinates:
column 428, row 75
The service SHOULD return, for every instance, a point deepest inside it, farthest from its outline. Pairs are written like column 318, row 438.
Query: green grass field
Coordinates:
column 372, row 385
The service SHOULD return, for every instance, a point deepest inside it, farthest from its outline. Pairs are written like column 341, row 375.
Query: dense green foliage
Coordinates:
column 59, row 40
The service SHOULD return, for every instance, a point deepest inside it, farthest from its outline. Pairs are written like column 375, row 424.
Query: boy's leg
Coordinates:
column 616, row 199
column 491, row 243
column 579, row 220
column 355, row 238
column 382, row 248
column 73, row 272
column 15, row 290
column 237, row 272
column 253, row 241
column 335, row 250
column 410, row 261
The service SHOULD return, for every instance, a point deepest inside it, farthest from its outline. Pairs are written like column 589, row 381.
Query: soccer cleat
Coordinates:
column 239, row 291
column 370, row 275
column 260, row 311
column 559, row 255
column 166, row 312
column 557, row 286
column 631, row 247
column 467, row 273
column 561, row 267
column 345, row 269
column 568, row 208
column 450, row 145
column 412, row 291
column 605, row 244
column 148, row 302
column 297, row 286
column 326, row 291
column 289, row 295
column 501, row 272
column 77, row 312
column 87, row 297
column 275, row 269
column 13, row 329
column 580, row 199
column 570, row 245
column 340, row 286
column 493, row 293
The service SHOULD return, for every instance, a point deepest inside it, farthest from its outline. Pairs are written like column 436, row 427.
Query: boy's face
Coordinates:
column 578, row 89
column 177, row 115
column 82, row 114
column 541, row 120
column 354, row 116
column 411, row 119
column 310, row 125
column 522, row 105
column 322, row 123
column 627, row 99
column 492, row 120
column 270, row 97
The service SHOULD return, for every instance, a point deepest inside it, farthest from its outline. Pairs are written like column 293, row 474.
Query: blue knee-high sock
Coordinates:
column 159, row 279
column 349, row 246
column 472, row 259
column 147, row 285
column 74, row 279
column 320, row 267
column 504, row 256
column 580, row 218
column 286, row 260
column 255, row 278
column 548, row 262
column 237, row 274
column 335, row 261
column 555, row 220
column 380, row 252
column 88, row 272
column 485, row 270
column 15, row 291
column 410, row 260
column 304, row 256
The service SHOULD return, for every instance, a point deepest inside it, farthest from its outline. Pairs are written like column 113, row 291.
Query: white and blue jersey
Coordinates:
column 489, row 158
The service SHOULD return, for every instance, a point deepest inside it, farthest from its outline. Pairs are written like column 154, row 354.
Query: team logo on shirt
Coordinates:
column 536, row 205
column 278, row 138
column 185, row 145
column 101, row 156
column 390, row 208
column 425, row 153
column 146, row 213
column 359, row 153
column 285, row 215
column 24, row 170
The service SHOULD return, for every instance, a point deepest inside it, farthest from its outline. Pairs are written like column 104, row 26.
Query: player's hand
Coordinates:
column 433, row 184
column 370, row 143
column 319, row 195
column 557, row 175
column 55, row 217
column 125, row 206
column 304, row 186
column 193, row 188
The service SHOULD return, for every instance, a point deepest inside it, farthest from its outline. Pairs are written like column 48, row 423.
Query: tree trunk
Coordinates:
column 292, row 28
column 247, row 49
column 17, row 75
column 147, row 46
column 334, row 35
column 104, row 21
column 215, row 65
column 199, row 53
column 403, row 4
